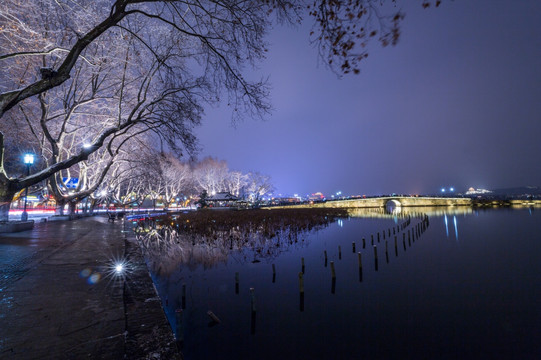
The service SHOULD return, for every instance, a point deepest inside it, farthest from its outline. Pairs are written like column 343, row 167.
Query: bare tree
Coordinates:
column 176, row 177
column 211, row 175
column 125, row 101
column 259, row 185
column 236, row 182
column 174, row 54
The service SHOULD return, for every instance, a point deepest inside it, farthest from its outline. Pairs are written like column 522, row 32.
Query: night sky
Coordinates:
column 456, row 103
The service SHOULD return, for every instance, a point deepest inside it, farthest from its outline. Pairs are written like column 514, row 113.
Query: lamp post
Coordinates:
column 28, row 160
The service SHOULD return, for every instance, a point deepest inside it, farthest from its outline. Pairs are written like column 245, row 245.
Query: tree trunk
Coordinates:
column 5, row 201
column 72, row 205
column 93, row 203
column 6, row 194
column 59, row 210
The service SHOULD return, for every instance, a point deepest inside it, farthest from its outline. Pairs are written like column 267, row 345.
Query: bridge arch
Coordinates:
column 393, row 202
column 393, row 206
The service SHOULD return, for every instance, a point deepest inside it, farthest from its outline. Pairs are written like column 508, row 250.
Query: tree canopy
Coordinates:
column 85, row 77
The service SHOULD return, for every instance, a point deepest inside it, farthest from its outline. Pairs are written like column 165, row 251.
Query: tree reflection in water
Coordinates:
column 209, row 237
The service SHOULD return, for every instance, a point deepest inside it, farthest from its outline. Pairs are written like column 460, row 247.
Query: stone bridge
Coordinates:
column 390, row 201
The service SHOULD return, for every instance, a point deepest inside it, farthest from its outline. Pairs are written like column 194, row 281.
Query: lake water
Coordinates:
column 469, row 286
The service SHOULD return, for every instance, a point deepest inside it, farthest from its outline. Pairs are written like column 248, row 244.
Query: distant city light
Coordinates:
column 452, row 189
column 442, row 190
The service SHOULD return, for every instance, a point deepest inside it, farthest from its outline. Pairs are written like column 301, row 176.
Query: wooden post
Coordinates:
column 252, row 299
column 325, row 253
column 333, row 273
column 184, row 296
column 302, row 263
column 376, row 257
column 301, row 283
column 360, row 267
column 273, row 273
column 353, row 246
column 236, row 283
column 339, row 252
column 213, row 317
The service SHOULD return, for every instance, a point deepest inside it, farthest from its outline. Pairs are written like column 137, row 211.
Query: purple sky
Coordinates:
column 456, row 102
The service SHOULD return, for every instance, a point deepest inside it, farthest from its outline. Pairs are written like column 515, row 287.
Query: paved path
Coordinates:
column 60, row 297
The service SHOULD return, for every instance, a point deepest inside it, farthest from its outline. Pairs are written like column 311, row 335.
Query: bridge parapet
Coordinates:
column 379, row 202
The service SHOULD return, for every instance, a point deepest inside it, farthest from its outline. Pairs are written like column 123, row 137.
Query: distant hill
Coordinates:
column 517, row 191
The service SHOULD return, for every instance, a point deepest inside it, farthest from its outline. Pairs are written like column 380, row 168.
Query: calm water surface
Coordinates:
column 467, row 287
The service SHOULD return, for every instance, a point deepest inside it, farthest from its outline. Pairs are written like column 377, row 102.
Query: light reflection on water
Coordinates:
column 425, row 297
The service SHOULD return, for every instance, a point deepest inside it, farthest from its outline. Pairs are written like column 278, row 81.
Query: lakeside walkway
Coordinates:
column 60, row 297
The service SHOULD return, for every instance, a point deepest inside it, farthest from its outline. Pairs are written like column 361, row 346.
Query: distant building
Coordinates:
column 222, row 199
column 316, row 197
column 472, row 191
column 285, row 201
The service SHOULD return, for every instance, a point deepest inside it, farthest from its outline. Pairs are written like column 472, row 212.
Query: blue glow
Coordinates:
column 456, row 227
column 446, row 225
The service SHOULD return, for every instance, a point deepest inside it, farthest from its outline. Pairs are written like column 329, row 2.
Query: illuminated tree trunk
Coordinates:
column 5, row 202
column 72, row 205
column 60, row 203
column 6, row 193
column 93, row 203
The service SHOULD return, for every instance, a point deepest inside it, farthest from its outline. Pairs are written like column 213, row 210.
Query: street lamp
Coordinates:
column 28, row 160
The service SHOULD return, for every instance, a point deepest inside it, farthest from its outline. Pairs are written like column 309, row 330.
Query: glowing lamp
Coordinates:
column 28, row 159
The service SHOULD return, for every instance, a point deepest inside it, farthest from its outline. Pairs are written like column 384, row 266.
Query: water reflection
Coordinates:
column 212, row 237
column 190, row 247
column 456, row 228
column 209, row 238
column 455, row 225
column 451, row 291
